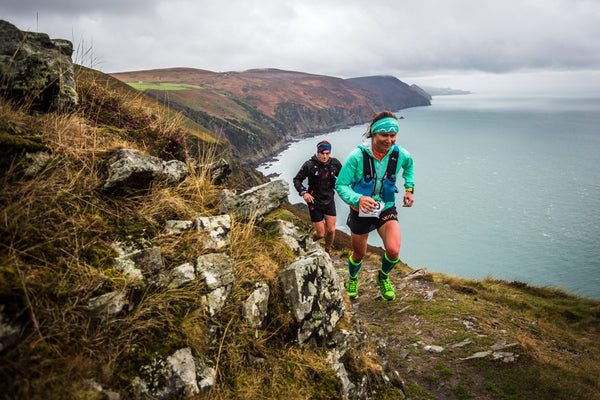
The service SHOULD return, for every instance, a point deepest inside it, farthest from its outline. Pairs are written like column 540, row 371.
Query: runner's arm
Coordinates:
column 299, row 178
column 352, row 167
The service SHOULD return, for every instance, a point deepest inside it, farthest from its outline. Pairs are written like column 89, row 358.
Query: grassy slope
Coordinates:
column 257, row 111
column 556, row 334
column 262, row 88
column 55, row 255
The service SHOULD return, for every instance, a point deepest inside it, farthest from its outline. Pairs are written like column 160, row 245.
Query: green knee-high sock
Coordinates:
column 387, row 265
column 353, row 267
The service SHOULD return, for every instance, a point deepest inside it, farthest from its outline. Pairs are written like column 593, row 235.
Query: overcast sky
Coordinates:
column 477, row 45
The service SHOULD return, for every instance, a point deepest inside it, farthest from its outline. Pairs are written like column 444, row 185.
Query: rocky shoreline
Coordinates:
column 279, row 149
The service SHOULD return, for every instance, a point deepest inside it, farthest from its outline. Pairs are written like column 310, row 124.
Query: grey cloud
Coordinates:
column 69, row 8
column 332, row 37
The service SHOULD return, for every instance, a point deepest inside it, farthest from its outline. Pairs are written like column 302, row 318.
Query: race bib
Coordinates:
column 372, row 214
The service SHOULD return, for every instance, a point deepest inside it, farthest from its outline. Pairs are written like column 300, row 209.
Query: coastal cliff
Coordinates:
column 258, row 111
column 138, row 260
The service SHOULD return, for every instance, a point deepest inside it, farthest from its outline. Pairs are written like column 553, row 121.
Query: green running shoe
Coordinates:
column 352, row 288
column 387, row 291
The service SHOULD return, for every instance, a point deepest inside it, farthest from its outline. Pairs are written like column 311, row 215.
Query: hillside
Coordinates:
column 148, row 288
column 443, row 338
column 259, row 110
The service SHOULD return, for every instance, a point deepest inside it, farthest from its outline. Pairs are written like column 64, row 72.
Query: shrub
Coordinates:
column 102, row 107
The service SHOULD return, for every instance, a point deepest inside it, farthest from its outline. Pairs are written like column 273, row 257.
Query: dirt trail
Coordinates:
column 425, row 333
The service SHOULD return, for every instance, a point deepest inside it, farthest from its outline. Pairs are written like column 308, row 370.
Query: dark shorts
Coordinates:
column 361, row 225
column 318, row 212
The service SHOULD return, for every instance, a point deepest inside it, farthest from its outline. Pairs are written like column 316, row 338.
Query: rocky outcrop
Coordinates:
column 310, row 285
column 178, row 374
column 289, row 234
column 255, row 306
column 216, row 231
column 218, row 171
column 143, row 265
column 312, row 290
column 181, row 275
column 254, row 202
column 130, row 169
column 217, row 271
column 36, row 70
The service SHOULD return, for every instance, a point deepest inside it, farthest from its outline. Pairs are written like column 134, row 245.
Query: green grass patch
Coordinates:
column 462, row 393
column 415, row 391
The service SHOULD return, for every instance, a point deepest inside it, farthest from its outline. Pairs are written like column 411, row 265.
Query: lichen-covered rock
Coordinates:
column 172, row 377
column 254, row 202
column 256, row 305
column 109, row 304
column 312, row 290
column 217, row 229
column 217, row 271
column 217, row 171
column 299, row 243
column 176, row 227
column 130, row 168
column 144, row 265
column 181, row 275
column 36, row 70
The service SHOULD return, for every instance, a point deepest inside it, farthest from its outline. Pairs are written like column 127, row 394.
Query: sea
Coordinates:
column 506, row 187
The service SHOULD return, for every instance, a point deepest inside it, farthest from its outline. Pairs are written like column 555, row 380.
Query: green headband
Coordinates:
column 388, row 124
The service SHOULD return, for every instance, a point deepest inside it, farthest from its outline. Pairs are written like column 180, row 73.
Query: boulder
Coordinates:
column 255, row 202
column 36, row 70
column 181, row 275
column 256, row 305
column 177, row 227
column 217, row 171
column 299, row 243
column 173, row 377
column 217, row 271
column 217, row 229
column 142, row 265
column 129, row 169
column 312, row 290
column 109, row 304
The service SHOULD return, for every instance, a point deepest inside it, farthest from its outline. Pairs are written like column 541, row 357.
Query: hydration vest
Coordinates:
column 366, row 186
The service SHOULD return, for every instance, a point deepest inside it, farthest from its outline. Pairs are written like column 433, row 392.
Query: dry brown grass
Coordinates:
column 57, row 232
column 56, row 235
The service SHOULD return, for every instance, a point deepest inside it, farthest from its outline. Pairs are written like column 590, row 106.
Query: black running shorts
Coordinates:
column 318, row 212
column 361, row 225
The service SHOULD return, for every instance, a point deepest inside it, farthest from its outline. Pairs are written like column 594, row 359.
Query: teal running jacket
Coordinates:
column 352, row 172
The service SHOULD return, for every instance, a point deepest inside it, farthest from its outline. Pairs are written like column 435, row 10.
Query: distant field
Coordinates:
column 161, row 86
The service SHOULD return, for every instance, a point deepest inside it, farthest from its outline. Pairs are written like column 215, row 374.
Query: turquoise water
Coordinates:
column 506, row 188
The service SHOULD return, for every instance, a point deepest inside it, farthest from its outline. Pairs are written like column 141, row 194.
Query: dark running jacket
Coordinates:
column 321, row 179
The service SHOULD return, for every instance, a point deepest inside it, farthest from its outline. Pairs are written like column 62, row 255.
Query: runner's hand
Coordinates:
column 367, row 204
column 308, row 198
column 408, row 199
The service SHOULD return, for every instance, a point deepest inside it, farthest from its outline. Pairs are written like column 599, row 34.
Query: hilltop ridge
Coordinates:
column 259, row 110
